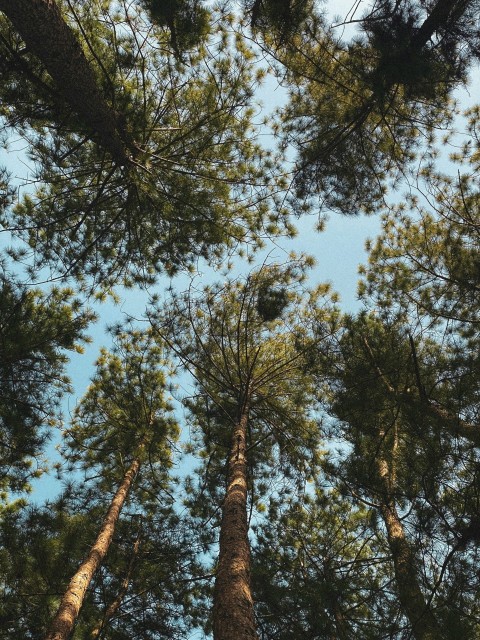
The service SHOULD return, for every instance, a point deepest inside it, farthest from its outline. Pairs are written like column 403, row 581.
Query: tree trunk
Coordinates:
column 47, row 35
column 424, row 624
column 72, row 600
column 437, row 18
column 233, row 617
column 115, row 604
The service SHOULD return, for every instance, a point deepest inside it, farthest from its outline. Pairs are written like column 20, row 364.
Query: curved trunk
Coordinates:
column 73, row 597
column 47, row 35
column 424, row 624
column 233, row 617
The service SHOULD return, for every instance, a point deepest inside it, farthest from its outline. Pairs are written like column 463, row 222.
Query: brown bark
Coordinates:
column 115, row 604
column 233, row 616
column 47, row 35
column 424, row 624
column 72, row 600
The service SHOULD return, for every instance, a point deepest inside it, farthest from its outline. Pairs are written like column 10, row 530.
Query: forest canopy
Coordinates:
column 252, row 457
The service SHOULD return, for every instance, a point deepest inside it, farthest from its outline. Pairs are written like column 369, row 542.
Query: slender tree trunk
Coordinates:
column 47, row 35
column 233, row 617
column 115, row 604
column 424, row 624
column 72, row 600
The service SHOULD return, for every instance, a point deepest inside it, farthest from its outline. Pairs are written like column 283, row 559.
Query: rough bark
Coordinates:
column 47, row 35
column 72, row 600
column 424, row 624
column 233, row 616
column 340, row 626
column 115, row 604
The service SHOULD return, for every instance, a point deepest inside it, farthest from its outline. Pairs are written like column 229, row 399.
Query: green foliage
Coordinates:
column 271, row 302
column 41, row 548
column 198, row 182
column 188, row 21
column 36, row 329
column 426, row 261
column 409, row 55
column 318, row 572
column 379, row 392
column 281, row 17
column 361, row 111
column 244, row 361
column 125, row 414
column 239, row 357
column 397, row 451
column 396, row 384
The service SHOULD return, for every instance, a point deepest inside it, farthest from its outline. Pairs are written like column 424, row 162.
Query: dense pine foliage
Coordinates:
column 249, row 461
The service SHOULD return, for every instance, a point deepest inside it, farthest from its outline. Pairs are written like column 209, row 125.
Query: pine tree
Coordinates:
column 360, row 111
column 425, row 262
column 319, row 571
column 242, row 342
column 48, row 36
column 422, row 269
column 407, row 465
column 36, row 330
column 122, row 422
column 195, row 181
column 143, row 588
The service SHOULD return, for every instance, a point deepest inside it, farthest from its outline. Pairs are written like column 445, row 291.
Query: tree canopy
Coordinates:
column 251, row 458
